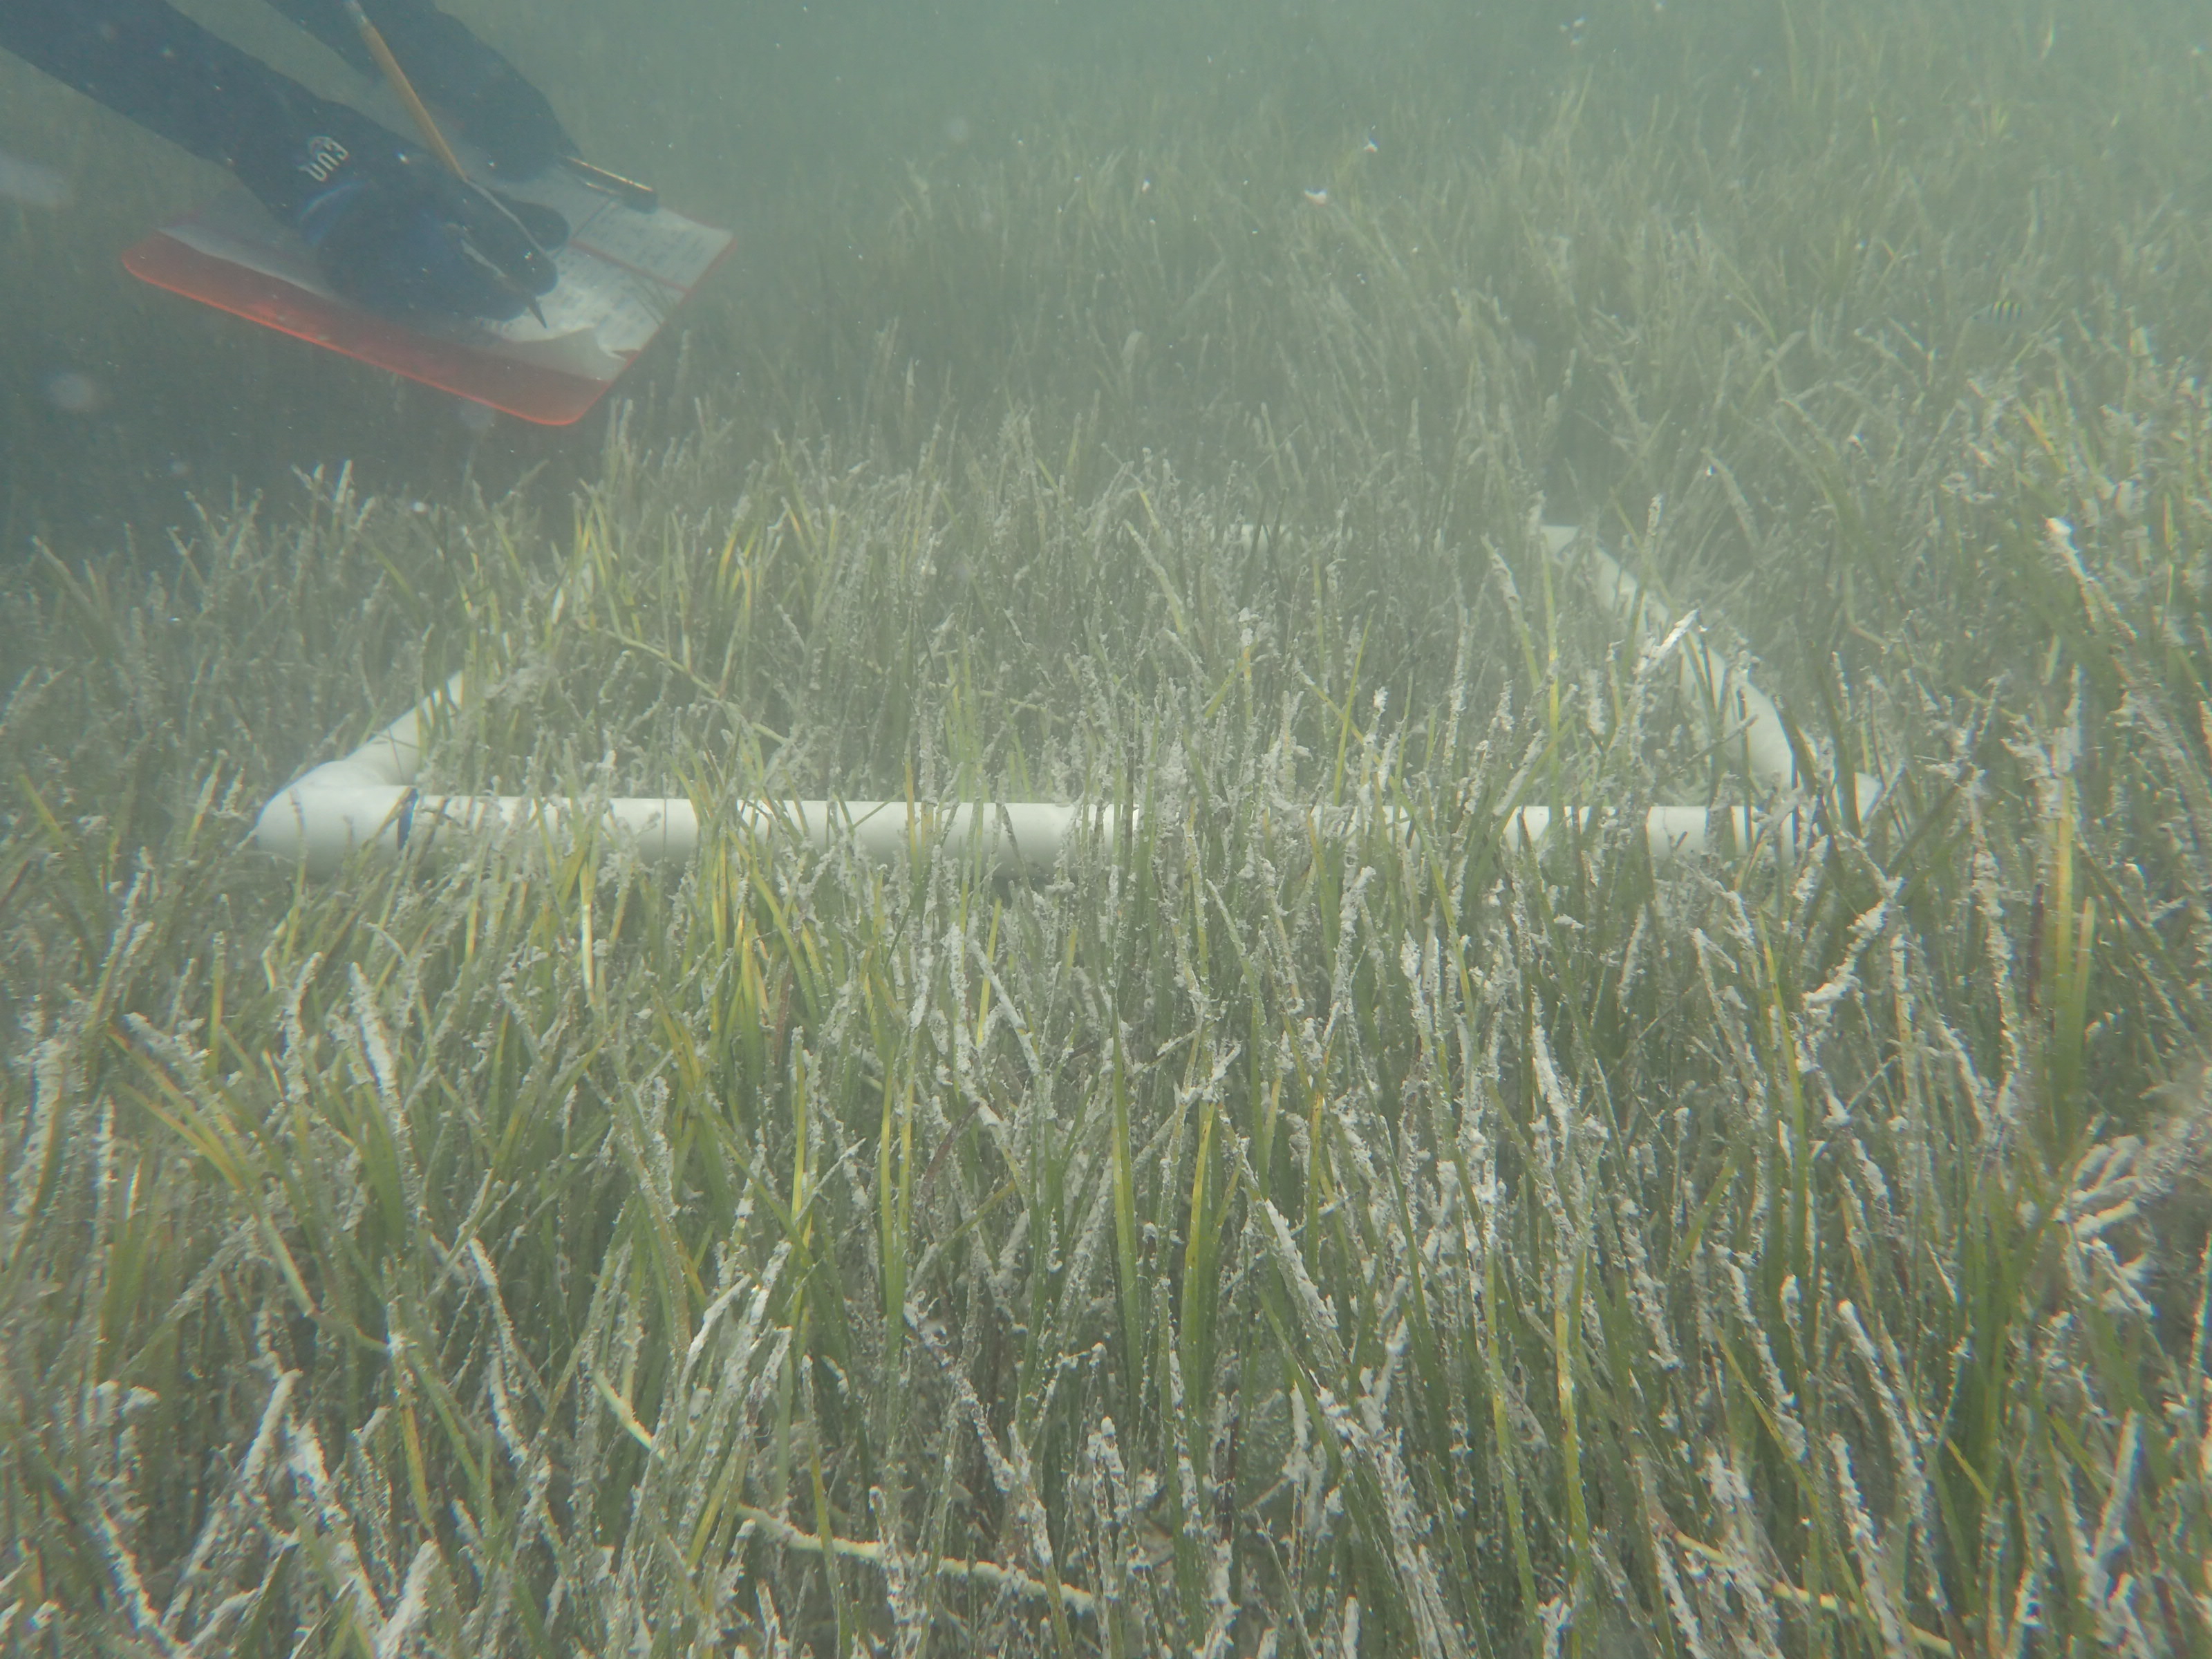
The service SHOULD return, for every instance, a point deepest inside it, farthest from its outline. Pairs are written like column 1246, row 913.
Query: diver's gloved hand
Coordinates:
column 393, row 230
column 496, row 109
column 404, row 236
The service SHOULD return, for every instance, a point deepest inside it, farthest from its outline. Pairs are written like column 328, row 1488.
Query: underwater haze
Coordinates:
column 1369, row 1193
column 801, row 127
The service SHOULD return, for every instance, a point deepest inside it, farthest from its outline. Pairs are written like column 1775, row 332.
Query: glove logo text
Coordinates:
column 324, row 156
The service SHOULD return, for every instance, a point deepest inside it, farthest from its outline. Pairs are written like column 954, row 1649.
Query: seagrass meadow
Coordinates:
column 1310, row 1218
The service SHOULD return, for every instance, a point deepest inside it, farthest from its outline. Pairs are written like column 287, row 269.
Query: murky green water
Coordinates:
column 1315, row 1219
column 804, row 127
column 801, row 127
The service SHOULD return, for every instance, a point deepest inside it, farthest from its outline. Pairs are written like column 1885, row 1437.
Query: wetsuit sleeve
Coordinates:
column 449, row 66
column 148, row 61
column 418, row 31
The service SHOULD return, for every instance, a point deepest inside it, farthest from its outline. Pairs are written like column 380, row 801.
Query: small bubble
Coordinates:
column 1318, row 198
column 418, row 507
column 75, row 393
column 32, row 186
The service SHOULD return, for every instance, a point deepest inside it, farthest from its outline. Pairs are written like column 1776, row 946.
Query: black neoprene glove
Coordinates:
column 394, row 230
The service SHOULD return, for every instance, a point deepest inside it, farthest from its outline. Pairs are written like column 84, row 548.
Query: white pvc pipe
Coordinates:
column 1751, row 717
column 1748, row 713
column 1675, row 831
column 368, row 798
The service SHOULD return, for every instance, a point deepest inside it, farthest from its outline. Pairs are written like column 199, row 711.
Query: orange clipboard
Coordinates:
column 622, row 273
